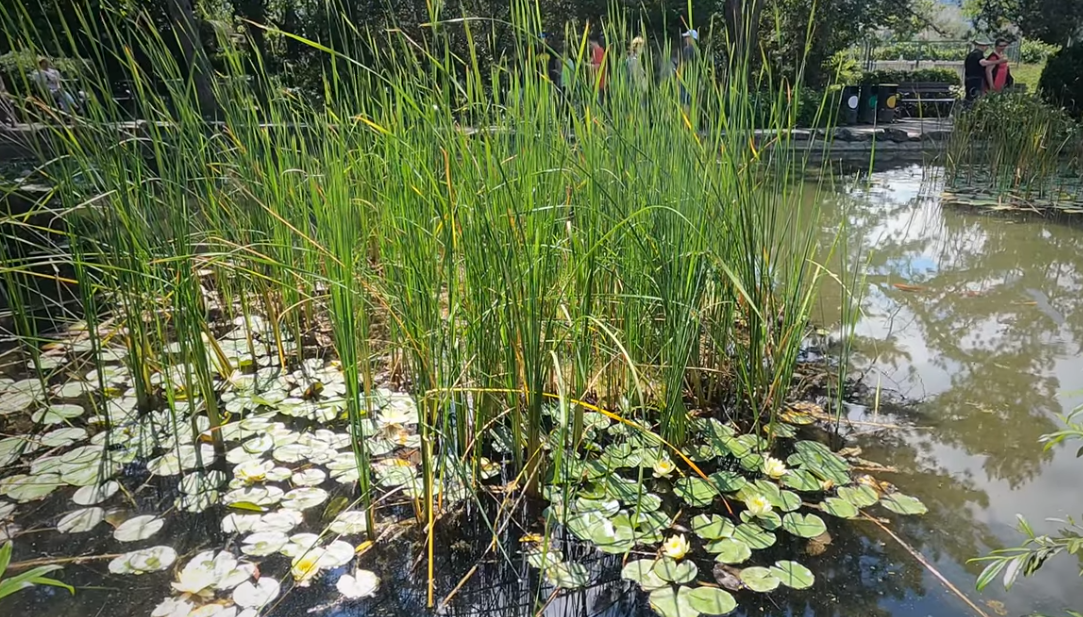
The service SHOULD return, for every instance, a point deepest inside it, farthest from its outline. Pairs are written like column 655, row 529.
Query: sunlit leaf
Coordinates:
column 803, row 525
column 759, row 579
column 793, row 574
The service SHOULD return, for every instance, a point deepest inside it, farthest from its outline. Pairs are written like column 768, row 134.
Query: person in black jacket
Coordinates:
column 974, row 81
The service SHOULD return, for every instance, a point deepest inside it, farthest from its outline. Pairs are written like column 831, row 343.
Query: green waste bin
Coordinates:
column 867, row 104
column 887, row 99
column 851, row 98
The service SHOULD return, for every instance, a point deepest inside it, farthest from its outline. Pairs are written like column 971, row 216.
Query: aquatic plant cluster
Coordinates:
column 435, row 276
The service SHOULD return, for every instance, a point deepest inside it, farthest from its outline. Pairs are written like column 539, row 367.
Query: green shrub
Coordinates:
column 1036, row 52
column 1061, row 83
column 947, row 76
column 921, row 51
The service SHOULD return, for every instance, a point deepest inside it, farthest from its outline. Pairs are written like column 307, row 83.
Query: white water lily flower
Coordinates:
column 138, row 528
column 349, row 523
column 235, row 522
column 145, row 560
column 93, row 495
column 304, row 568
column 209, row 570
column 758, row 505
column 304, row 498
column 663, row 468
column 676, row 547
column 81, row 520
column 282, row 520
column 256, row 595
column 308, row 477
column 361, row 584
column 253, row 471
column 396, row 414
column 172, row 607
column 264, row 543
column 773, row 467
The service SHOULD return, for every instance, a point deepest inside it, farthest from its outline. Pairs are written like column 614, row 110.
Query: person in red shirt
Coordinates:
column 597, row 63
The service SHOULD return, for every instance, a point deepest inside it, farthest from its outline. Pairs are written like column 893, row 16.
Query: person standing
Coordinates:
column 7, row 111
column 50, row 81
column 597, row 65
column 637, row 72
column 998, row 73
column 974, row 71
column 688, row 56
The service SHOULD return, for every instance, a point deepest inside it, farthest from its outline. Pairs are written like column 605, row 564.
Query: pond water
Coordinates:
column 984, row 335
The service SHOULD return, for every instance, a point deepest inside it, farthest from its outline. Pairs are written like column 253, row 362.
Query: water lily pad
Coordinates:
column 712, row 527
column 81, row 520
column 152, row 559
column 839, row 507
column 282, row 520
column 712, row 601
column 335, row 554
column 674, row 571
column 759, row 579
column 768, row 520
column 291, row 453
column 304, row 498
column 259, row 495
column 264, row 543
column 670, row 602
column 728, row 481
column 821, row 462
column 642, row 572
column 754, row 536
column 730, row 550
column 94, row 495
column 63, row 437
column 903, row 504
column 860, row 496
column 696, row 492
column 803, row 525
column 11, row 448
column 568, row 575
column 802, row 480
column 24, row 488
column 793, row 574
column 360, row 584
column 57, row 414
column 349, row 523
column 138, row 528
column 256, row 594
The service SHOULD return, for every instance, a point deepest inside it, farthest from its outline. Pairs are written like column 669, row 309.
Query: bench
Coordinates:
column 917, row 98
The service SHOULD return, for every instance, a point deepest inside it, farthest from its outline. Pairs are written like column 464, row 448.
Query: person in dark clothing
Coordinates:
column 974, row 80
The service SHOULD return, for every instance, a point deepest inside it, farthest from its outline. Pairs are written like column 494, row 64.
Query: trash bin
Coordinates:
column 867, row 104
column 887, row 98
column 851, row 97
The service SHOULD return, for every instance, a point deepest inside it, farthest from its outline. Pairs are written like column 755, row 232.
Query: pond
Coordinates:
column 972, row 319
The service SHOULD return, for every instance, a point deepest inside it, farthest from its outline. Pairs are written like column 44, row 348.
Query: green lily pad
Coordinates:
column 696, row 492
column 802, row 480
column 821, row 462
column 712, row 527
column 641, row 571
column 793, row 574
column 648, row 502
column 903, row 504
column 728, row 481
column 752, row 461
column 860, row 496
column 730, row 550
column 602, row 506
column 778, row 429
column 839, row 507
column 769, row 521
column 542, row 559
column 650, row 521
column 613, row 539
column 669, row 569
column 803, row 525
column 568, row 575
column 754, row 536
column 711, row 601
column 670, row 602
column 759, row 579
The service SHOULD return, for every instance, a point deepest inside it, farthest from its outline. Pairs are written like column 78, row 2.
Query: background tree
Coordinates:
column 1058, row 22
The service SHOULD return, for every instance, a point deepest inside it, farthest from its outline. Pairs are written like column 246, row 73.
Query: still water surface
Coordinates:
column 986, row 339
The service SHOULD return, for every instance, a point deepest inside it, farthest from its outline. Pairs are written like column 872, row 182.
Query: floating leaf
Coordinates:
column 754, row 536
column 860, row 496
column 138, row 528
column 730, row 550
column 670, row 602
column 541, row 558
column 803, row 525
column 247, row 506
column 712, row 527
column 759, row 579
column 768, row 520
column 602, row 506
column 674, row 571
column 793, row 574
column 711, row 601
column 802, row 480
column 728, row 481
column 752, row 462
column 903, row 504
column 361, row 584
column 839, row 507
column 152, row 559
column 641, row 571
column 696, row 492
column 568, row 575
column 81, row 520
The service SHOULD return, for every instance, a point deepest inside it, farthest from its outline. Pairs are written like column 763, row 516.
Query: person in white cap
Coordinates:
column 689, row 55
